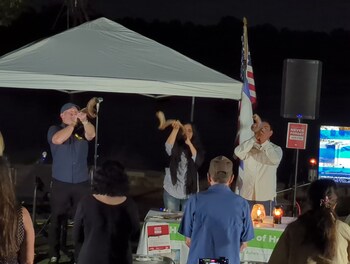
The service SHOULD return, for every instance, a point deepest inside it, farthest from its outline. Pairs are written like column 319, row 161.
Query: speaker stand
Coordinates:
column 295, row 208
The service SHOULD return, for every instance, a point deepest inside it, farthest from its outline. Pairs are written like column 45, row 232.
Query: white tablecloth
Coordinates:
column 259, row 249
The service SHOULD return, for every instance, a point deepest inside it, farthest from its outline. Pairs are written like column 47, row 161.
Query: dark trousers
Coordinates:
column 64, row 200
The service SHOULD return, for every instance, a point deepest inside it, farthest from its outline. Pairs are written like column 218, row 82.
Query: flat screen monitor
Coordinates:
column 334, row 153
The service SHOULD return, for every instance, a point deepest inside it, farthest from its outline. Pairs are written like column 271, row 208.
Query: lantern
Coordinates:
column 258, row 213
column 277, row 214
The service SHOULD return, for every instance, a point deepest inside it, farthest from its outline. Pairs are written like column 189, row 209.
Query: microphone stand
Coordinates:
column 38, row 186
column 96, row 139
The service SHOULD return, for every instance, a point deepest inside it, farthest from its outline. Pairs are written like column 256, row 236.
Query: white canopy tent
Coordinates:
column 103, row 56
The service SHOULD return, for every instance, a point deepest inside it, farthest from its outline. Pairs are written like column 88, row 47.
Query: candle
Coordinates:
column 258, row 213
column 277, row 215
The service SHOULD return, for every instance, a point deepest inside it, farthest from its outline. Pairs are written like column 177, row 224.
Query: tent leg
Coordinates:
column 192, row 109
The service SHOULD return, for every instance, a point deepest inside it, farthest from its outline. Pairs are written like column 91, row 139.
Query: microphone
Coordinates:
column 99, row 100
column 41, row 160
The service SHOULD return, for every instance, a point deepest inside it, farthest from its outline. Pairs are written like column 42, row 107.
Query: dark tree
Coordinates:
column 10, row 10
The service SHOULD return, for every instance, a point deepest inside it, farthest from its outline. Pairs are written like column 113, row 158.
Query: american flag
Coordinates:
column 248, row 101
column 246, row 105
column 247, row 75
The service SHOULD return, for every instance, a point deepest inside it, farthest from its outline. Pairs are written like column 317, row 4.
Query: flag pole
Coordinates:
column 245, row 39
column 245, row 119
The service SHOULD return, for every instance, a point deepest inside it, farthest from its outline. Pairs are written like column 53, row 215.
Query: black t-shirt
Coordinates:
column 102, row 232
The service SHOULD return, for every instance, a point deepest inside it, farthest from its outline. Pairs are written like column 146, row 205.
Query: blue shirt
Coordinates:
column 69, row 159
column 217, row 221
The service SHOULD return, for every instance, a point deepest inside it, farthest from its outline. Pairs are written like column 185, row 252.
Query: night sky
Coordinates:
column 128, row 127
column 317, row 15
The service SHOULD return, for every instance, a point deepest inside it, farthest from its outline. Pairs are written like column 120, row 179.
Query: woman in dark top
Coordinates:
column 106, row 221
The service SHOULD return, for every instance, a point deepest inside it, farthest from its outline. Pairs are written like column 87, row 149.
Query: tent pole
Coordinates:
column 96, row 137
column 192, row 109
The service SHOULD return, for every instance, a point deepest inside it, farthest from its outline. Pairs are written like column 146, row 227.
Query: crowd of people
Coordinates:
column 216, row 222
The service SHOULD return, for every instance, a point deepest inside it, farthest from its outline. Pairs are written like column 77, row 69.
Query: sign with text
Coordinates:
column 296, row 136
column 158, row 238
column 261, row 246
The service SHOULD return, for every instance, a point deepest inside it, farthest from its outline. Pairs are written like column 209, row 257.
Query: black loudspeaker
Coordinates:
column 301, row 88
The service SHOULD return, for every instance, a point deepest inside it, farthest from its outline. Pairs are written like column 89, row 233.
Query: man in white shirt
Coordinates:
column 260, row 160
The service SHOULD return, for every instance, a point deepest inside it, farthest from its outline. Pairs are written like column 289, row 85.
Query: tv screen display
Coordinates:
column 334, row 153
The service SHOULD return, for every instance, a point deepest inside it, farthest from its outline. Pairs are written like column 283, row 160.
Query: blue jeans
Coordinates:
column 173, row 204
column 268, row 205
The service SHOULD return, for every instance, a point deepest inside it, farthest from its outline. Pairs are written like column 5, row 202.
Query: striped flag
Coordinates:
column 248, row 75
column 247, row 103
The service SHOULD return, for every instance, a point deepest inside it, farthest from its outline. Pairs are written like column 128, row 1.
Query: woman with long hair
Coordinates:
column 316, row 237
column 186, row 156
column 16, row 227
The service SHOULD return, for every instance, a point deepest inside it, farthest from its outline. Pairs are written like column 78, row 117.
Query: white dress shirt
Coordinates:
column 260, row 162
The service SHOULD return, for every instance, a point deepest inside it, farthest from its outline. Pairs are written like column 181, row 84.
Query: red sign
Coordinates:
column 296, row 137
column 158, row 239
column 158, row 230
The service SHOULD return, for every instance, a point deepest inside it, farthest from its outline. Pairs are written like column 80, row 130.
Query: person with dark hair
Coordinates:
column 317, row 236
column 186, row 156
column 17, row 231
column 261, row 159
column 107, row 221
column 70, row 176
column 217, row 222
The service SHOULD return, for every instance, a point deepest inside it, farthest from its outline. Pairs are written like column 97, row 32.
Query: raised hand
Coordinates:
column 264, row 133
column 257, row 123
column 188, row 141
column 82, row 116
column 176, row 124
